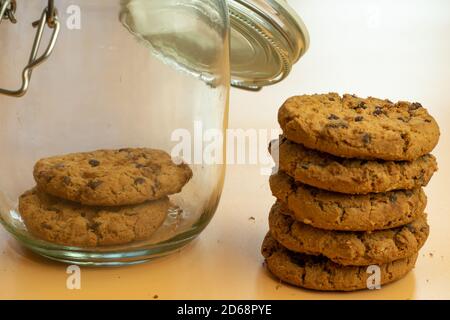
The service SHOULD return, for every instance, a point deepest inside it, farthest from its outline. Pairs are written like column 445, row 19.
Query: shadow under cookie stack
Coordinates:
column 102, row 198
column 350, row 205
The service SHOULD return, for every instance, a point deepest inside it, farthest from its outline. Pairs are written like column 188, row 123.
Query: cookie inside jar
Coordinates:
column 103, row 197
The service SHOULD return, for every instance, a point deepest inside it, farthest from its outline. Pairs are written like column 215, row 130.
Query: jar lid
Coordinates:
column 267, row 39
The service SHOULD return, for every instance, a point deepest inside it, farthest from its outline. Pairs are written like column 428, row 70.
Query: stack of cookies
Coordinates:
column 349, row 191
column 100, row 198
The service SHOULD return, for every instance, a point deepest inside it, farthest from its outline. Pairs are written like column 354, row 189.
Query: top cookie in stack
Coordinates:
column 353, row 127
column 349, row 189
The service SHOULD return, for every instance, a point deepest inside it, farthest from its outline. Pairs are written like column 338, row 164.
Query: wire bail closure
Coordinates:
column 48, row 18
column 8, row 10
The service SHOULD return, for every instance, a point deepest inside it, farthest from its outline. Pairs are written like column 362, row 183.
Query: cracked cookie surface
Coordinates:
column 320, row 273
column 353, row 127
column 72, row 224
column 337, row 211
column 348, row 247
column 112, row 177
column 351, row 176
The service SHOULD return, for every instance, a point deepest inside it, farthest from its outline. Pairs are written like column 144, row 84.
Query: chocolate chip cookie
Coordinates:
column 72, row 224
column 320, row 273
column 112, row 177
column 352, row 176
column 353, row 127
column 348, row 247
column 338, row 211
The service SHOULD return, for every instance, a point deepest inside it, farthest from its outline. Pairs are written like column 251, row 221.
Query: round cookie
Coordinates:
column 351, row 176
column 348, row 248
column 72, row 224
column 353, row 127
column 320, row 273
column 111, row 177
column 337, row 211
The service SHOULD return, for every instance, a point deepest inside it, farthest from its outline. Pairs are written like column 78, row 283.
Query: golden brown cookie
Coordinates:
column 351, row 176
column 111, row 177
column 353, row 127
column 339, row 211
column 348, row 248
column 320, row 273
column 72, row 224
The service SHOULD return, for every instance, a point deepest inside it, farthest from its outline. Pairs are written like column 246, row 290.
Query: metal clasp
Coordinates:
column 48, row 18
column 7, row 10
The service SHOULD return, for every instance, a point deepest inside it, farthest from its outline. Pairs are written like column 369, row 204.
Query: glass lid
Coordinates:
column 267, row 39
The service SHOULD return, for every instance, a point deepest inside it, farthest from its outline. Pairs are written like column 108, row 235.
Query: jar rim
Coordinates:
column 267, row 38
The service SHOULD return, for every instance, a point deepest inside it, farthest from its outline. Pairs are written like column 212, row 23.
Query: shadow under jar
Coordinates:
column 146, row 82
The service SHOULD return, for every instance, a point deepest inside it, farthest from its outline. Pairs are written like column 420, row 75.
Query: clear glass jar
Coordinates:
column 132, row 74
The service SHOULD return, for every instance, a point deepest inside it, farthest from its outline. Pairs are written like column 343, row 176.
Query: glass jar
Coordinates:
column 120, row 75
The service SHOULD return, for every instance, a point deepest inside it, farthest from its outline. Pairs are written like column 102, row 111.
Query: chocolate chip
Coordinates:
column 361, row 105
column 333, row 117
column 337, row 125
column 366, row 138
column 66, row 180
column 359, row 118
column 393, row 198
column 415, row 106
column 94, row 163
column 152, row 168
column 378, row 111
column 139, row 181
column 427, row 120
column 331, row 99
column 305, row 166
column 94, row 225
column 94, row 184
column 411, row 228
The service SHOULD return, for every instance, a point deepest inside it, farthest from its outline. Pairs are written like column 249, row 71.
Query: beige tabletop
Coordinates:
column 393, row 49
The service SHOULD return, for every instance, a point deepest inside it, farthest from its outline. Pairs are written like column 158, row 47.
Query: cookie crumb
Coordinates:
column 252, row 219
column 155, row 296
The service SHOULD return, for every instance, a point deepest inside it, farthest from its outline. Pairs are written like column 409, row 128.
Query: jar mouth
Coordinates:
column 267, row 39
column 178, row 44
